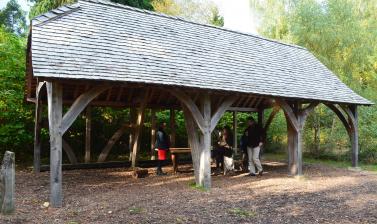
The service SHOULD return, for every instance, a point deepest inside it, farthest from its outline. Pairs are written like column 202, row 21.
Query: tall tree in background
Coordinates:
column 12, row 18
column 42, row 6
column 342, row 34
column 197, row 11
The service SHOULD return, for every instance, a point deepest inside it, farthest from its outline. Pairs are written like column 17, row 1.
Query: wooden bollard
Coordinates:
column 7, row 183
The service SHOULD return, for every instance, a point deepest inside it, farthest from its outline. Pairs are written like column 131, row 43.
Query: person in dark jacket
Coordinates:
column 162, row 145
column 254, row 142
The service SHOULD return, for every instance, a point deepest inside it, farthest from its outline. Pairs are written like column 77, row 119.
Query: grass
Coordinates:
column 135, row 210
column 194, row 186
column 327, row 162
column 241, row 212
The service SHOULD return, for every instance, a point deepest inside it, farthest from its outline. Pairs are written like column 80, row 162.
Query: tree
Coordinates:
column 42, row 6
column 12, row 17
column 15, row 116
column 197, row 11
column 342, row 34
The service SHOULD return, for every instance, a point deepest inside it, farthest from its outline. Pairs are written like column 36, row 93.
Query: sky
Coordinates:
column 236, row 16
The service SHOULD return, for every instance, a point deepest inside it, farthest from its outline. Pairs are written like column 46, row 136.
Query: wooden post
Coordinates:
column 153, row 133
column 172, row 128
column 350, row 122
column 296, row 117
column 193, row 139
column 38, row 128
column 69, row 151
column 116, row 136
column 205, row 155
column 55, row 99
column 132, row 131
column 37, row 135
column 354, row 136
column 136, row 142
column 88, row 131
column 138, row 128
column 235, row 137
column 206, row 123
column 7, row 183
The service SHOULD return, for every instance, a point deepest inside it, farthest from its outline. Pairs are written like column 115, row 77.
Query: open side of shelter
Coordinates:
column 92, row 54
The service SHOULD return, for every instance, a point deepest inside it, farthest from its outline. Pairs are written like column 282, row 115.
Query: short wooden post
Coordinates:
column 235, row 137
column 172, row 128
column 7, row 183
column 153, row 133
column 88, row 131
column 55, row 99
column 37, row 136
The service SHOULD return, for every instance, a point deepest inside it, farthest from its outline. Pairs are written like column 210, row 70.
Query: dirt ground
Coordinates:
column 322, row 195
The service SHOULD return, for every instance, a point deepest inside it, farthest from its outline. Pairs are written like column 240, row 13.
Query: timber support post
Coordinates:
column 172, row 128
column 296, row 117
column 354, row 135
column 55, row 109
column 235, row 137
column 88, row 133
column 38, row 128
column 153, row 133
column 347, row 114
column 138, row 128
column 206, row 122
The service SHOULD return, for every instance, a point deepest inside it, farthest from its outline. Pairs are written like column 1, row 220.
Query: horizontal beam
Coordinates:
column 243, row 109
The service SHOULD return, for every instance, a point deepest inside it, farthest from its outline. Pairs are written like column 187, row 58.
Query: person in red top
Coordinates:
column 162, row 145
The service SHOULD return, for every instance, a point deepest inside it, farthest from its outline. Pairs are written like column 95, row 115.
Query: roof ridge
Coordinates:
column 55, row 14
column 118, row 5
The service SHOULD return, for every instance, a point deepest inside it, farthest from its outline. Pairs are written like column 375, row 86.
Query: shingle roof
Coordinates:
column 99, row 40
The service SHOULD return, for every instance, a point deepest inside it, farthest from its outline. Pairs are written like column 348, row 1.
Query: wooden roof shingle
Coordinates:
column 100, row 40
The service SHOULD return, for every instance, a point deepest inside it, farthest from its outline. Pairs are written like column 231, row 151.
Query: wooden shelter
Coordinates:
column 98, row 53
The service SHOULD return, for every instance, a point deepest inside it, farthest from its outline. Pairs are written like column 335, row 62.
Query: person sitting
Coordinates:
column 224, row 149
column 162, row 145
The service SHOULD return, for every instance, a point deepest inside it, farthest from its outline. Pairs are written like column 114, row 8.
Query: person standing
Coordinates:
column 162, row 145
column 254, row 143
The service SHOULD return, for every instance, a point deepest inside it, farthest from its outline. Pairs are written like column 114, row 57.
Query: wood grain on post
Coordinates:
column 7, row 183
column 88, row 131
column 55, row 109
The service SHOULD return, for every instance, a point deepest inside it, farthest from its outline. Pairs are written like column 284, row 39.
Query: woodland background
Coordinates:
column 342, row 34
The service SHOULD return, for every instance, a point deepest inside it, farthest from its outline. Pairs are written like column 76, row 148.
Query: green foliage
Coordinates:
column 142, row 4
column 15, row 117
column 342, row 34
column 197, row 11
column 42, row 6
column 12, row 18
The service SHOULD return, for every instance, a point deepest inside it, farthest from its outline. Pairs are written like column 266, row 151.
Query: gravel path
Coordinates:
column 322, row 195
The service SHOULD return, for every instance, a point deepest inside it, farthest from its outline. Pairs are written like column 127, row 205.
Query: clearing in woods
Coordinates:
column 324, row 195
